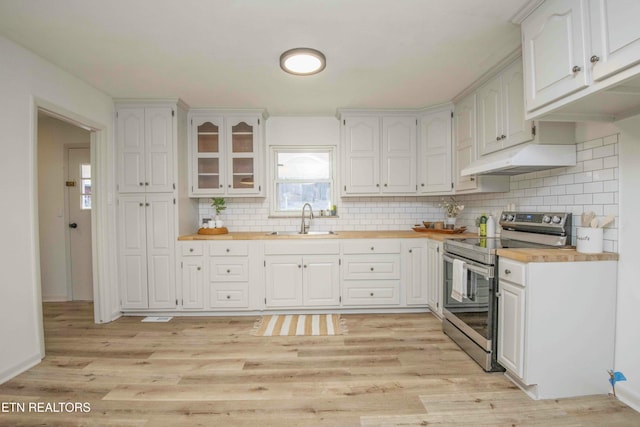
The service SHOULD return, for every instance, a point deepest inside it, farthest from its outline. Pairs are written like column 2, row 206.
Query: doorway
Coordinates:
column 78, row 200
column 64, row 210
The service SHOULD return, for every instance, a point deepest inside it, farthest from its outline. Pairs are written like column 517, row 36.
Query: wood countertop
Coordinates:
column 553, row 255
column 371, row 234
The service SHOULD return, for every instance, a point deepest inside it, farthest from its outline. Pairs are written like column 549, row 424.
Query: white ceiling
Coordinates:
column 215, row 53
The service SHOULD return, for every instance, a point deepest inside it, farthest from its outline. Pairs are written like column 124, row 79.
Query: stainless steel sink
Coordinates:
column 297, row 233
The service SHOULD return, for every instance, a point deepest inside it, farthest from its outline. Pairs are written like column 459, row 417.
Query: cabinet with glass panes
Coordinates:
column 226, row 153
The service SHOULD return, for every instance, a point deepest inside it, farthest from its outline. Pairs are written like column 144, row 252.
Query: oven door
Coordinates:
column 475, row 314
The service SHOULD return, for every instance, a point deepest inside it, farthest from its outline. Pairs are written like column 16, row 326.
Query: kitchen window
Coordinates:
column 302, row 175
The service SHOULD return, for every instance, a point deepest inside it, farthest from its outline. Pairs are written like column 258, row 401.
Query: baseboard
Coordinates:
column 276, row 311
column 14, row 371
column 627, row 396
column 55, row 298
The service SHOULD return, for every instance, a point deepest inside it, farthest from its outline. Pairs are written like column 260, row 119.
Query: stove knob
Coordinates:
column 556, row 219
column 503, row 217
column 546, row 219
column 510, row 217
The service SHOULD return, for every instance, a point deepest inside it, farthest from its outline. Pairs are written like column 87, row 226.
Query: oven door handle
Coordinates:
column 485, row 271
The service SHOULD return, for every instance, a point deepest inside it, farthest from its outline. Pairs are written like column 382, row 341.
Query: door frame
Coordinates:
column 67, row 234
column 102, row 223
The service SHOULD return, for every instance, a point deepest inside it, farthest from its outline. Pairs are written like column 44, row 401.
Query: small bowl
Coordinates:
column 427, row 224
column 438, row 225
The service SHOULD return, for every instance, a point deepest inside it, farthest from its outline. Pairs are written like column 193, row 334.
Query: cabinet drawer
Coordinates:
column 512, row 271
column 228, row 249
column 364, row 293
column 231, row 269
column 371, row 267
column 231, row 295
column 192, row 249
column 367, row 246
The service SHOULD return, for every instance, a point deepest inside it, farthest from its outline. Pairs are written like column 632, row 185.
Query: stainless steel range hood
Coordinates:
column 523, row 159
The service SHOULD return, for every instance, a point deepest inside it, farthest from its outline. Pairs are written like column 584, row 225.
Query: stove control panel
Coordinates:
column 538, row 220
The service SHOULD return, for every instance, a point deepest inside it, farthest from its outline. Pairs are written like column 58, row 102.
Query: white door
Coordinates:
column 132, row 242
column 158, row 135
column 131, row 151
column 320, row 280
column 79, row 200
column 416, row 274
column 434, row 277
column 435, row 156
column 242, row 160
column 615, row 36
column 160, row 251
column 489, row 101
column 362, row 155
column 514, row 126
column 464, row 122
column 511, row 327
column 284, row 281
column 399, row 146
column 553, row 52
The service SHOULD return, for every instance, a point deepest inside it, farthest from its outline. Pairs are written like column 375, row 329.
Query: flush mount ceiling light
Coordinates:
column 302, row 61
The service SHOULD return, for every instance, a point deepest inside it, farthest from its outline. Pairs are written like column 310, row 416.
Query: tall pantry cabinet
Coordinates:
column 151, row 154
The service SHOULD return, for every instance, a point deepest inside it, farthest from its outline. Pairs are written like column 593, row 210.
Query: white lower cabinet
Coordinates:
column 434, row 277
column 371, row 272
column 556, row 324
column 414, row 271
column 146, row 239
column 192, row 274
column 228, row 275
column 302, row 274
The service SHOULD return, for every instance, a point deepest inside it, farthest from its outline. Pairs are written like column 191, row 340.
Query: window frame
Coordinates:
column 274, row 150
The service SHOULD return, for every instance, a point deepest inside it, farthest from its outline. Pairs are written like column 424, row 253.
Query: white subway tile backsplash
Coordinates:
column 590, row 185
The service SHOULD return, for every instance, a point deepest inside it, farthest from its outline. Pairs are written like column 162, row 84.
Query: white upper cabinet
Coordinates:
column 464, row 122
column 615, row 36
column 554, row 51
column 225, row 153
column 146, row 144
column 501, row 118
column 379, row 154
column 434, row 164
column 582, row 60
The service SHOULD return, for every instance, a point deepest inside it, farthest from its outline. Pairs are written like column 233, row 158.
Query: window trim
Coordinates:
column 273, row 168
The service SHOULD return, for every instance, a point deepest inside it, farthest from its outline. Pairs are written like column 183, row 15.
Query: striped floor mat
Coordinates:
column 299, row 324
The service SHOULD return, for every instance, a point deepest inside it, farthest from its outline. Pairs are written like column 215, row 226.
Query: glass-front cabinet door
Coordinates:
column 241, row 154
column 207, row 167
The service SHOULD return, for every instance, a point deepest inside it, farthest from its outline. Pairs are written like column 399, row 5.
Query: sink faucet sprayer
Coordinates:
column 304, row 228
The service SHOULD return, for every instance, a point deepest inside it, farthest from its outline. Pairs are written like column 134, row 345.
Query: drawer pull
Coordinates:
column 228, row 271
column 190, row 249
column 576, row 69
column 228, row 296
column 299, row 266
column 228, row 250
column 371, row 294
column 507, row 271
column 305, row 266
column 371, row 268
column 372, row 248
column 594, row 59
column 199, row 268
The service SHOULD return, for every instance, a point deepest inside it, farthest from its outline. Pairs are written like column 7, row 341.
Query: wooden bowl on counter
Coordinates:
column 427, row 224
column 439, row 225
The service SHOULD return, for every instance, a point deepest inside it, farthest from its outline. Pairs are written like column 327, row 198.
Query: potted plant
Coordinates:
column 219, row 205
column 452, row 208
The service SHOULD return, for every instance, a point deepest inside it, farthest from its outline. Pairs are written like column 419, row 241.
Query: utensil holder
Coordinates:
column 589, row 240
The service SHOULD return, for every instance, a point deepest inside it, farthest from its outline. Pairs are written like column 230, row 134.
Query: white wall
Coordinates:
column 23, row 78
column 53, row 134
column 627, row 338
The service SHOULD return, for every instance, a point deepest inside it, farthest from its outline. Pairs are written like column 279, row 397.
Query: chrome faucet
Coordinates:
column 304, row 228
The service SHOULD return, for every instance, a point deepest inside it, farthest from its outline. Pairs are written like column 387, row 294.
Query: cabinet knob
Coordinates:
column 146, row 204
column 507, row 271
column 576, row 69
column 199, row 268
column 229, row 185
column 410, row 251
column 371, row 294
column 372, row 248
column 503, row 136
column 228, row 296
column 141, row 204
column 305, row 266
column 473, row 178
column 141, row 184
column 299, row 266
column 594, row 59
column 371, row 268
column 498, row 294
column 498, row 138
column 228, row 250
column 221, row 185
column 377, row 185
column 422, row 185
column 385, row 185
column 190, row 249
column 228, row 271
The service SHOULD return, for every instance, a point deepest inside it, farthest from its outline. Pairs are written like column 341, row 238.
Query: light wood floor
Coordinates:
column 389, row 370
